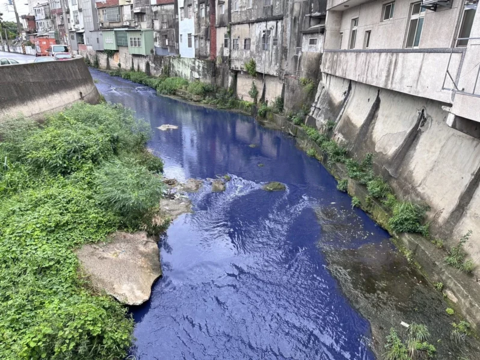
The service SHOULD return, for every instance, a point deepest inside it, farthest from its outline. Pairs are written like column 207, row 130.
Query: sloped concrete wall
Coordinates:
column 35, row 89
column 414, row 149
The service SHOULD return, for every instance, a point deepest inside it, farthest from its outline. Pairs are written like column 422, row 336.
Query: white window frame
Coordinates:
column 390, row 8
column 420, row 17
column 352, row 42
column 466, row 7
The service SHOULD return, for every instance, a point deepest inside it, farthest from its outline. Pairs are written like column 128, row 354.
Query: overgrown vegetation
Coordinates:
column 308, row 86
column 460, row 331
column 253, row 92
column 80, row 176
column 415, row 346
column 342, row 185
column 408, row 217
column 456, row 255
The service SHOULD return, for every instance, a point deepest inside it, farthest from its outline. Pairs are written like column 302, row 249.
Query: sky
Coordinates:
column 7, row 10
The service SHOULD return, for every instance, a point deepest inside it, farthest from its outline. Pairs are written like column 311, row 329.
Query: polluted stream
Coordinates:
column 252, row 274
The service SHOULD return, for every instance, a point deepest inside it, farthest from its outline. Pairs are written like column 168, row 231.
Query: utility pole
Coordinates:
column 19, row 24
column 1, row 37
column 66, row 24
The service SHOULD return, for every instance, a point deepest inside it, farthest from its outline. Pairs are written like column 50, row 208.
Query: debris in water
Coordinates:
column 166, row 127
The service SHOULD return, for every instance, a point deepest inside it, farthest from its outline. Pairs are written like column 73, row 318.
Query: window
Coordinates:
column 249, row 4
column 353, row 33
column 72, row 37
column 189, row 40
column 165, row 40
column 467, row 22
column 74, row 2
column 75, row 17
column 246, row 44
column 181, row 38
column 341, row 40
column 235, row 44
column 196, row 42
column 221, row 9
column 267, row 3
column 366, row 40
column 131, row 42
column 312, row 42
column 275, row 41
column 387, row 12
column 182, row 13
column 235, row 5
column 202, row 10
column 417, row 15
column 112, row 14
column 189, row 11
column 266, row 40
column 226, row 41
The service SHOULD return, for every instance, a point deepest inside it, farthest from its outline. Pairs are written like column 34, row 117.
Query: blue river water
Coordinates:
column 244, row 276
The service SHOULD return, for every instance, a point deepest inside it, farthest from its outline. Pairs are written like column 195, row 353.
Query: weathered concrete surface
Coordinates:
column 34, row 89
column 126, row 267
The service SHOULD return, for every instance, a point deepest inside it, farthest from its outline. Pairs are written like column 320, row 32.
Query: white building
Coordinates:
column 186, row 28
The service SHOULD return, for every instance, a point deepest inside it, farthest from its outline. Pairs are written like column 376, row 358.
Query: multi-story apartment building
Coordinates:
column 400, row 78
column 205, row 37
column 76, row 26
column 186, row 28
column 165, row 27
column 43, row 21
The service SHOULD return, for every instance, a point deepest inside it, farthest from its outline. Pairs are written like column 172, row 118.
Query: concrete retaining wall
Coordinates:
column 37, row 88
column 415, row 150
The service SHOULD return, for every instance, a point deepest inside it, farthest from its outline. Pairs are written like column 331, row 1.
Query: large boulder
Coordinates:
column 125, row 267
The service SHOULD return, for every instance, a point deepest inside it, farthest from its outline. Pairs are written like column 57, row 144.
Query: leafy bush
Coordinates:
column 57, row 193
column 278, row 105
column 450, row 311
column 395, row 348
column 311, row 152
column 251, row 67
column 245, row 106
column 460, row 331
column 456, row 256
column 199, row 88
column 407, row 218
column 342, row 185
column 378, row 188
column 439, row 286
column 170, row 85
column 128, row 189
column 264, row 110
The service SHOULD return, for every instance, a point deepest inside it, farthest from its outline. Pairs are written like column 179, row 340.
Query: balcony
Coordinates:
column 417, row 72
column 140, row 9
column 342, row 5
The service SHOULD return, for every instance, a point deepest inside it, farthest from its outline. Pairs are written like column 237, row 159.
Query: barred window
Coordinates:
column 113, row 14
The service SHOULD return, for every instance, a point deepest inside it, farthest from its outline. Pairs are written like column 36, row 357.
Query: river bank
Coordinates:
column 72, row 180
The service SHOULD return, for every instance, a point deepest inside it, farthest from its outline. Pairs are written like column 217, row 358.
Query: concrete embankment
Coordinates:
column 423, row 159
column 35, row 89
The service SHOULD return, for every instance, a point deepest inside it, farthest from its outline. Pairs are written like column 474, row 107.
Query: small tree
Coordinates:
column 251, row 67
column 253, row 92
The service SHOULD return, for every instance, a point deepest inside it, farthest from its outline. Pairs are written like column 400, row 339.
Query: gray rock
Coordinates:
column 191, row 185
column 218, row 185
column 274, row 186
column 125, row 267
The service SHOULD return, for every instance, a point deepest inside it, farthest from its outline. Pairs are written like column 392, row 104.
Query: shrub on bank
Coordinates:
column 170, row 85
column 57, row 192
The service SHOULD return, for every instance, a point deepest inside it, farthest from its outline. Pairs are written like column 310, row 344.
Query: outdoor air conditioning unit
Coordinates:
column 434, row 4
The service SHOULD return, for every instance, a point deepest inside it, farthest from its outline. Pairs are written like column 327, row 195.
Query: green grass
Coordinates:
column 74, row 180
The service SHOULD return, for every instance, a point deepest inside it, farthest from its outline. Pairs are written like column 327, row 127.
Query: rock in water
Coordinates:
column 274, row 186
column 191, row 185
column 218, row 185
column 125, row 268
